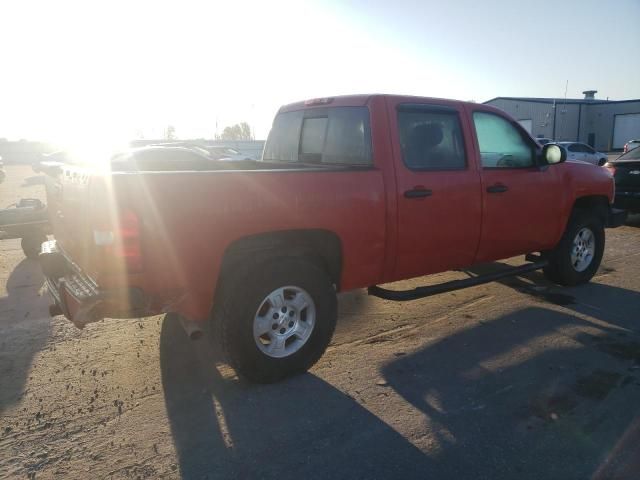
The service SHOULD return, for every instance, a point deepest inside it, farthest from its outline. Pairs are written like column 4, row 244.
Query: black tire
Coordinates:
column 237, row 304
column 32, row 244
column 601, row 162
column 560, row 268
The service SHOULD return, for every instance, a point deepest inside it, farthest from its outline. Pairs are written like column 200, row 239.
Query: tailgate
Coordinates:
column 73, row 202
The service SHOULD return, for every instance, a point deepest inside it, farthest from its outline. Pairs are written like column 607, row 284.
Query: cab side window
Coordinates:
column 431, row 138
column 501, row 144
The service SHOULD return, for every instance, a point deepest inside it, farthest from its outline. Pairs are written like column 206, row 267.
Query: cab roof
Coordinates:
column 360, row 101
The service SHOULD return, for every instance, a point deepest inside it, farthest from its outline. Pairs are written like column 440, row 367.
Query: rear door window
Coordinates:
column 338, row 135
column 431, row 138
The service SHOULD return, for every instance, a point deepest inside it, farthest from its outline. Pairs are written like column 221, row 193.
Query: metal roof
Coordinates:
column 562, row 100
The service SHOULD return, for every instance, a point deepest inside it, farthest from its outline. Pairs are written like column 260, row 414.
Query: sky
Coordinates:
column 87, row 72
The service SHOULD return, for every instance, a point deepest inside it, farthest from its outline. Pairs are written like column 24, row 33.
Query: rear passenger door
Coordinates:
column 438, row 189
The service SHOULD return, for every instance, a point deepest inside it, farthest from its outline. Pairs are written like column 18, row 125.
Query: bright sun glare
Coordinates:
column 130, row 69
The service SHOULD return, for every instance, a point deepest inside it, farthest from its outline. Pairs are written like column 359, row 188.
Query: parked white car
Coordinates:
column 583, row 152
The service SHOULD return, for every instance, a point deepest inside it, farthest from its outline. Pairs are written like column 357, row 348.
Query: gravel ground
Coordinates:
column 517, row 379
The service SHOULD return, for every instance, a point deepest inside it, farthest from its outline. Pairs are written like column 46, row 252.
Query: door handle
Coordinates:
column 418, row 193
column 497, row 188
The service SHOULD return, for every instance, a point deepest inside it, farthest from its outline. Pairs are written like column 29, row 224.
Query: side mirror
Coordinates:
column 553, row 154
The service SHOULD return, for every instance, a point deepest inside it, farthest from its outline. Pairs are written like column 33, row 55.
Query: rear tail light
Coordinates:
column 121, row 245
column 130, row 239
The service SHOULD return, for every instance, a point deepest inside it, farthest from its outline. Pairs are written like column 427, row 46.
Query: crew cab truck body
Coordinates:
column 351, row 192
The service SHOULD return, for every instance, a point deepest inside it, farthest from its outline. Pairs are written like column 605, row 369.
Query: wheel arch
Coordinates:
column 597, row 203
column 323, row 247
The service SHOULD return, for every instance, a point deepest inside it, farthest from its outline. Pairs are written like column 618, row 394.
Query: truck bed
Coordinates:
column 189, row 218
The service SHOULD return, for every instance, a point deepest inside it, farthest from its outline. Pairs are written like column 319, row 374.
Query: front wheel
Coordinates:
column 276, row 319
column 576, row 258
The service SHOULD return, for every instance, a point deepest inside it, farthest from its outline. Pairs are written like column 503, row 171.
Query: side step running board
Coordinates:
column 426, row 291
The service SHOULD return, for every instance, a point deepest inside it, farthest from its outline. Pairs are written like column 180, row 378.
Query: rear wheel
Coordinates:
column 276, row 319
column 577, row 257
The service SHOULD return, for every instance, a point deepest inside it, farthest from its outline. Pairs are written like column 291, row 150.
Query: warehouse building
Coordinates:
column 606, row 125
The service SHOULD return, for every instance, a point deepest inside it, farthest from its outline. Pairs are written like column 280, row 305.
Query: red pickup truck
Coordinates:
column 351, row 192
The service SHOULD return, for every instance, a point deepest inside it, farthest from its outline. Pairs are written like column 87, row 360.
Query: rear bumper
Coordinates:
column 616, row 217
column 79, row 298
column 628, row 200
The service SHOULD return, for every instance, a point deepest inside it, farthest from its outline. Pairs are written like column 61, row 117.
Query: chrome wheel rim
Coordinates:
column 584, row 247
column 284, row 321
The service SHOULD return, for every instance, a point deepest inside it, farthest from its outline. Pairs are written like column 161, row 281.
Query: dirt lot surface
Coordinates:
column 519, row 379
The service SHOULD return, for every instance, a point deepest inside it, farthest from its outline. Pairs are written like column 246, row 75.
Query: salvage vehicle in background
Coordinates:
column 626, row 173
column 226, row 153
column 584, row 153
column 2, row 172
column 27, row 220
column 351, row 192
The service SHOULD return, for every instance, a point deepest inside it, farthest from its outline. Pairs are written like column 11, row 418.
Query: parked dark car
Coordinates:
column 630, row 145
column 626, row 172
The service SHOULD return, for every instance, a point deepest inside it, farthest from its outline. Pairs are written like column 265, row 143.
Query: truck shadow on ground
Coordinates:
column 300, row 428
column 614, row 305
column 533, row 394
column 537, row 393
column 24, row 328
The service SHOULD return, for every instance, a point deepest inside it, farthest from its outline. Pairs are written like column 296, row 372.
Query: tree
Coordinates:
column 239, row 131
column 170, row 133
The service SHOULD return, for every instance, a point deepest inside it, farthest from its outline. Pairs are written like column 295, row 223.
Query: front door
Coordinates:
column 438, row 188
column 520, row 199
